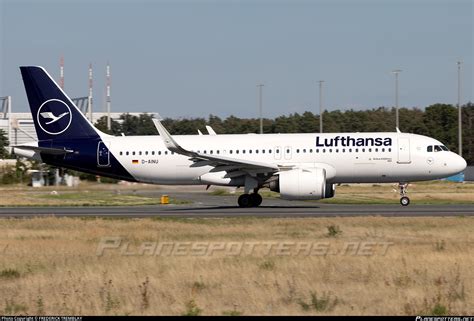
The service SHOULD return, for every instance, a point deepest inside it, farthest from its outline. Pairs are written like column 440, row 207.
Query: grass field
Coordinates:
column 362, row 266
column 85, row 195
column 436, row 192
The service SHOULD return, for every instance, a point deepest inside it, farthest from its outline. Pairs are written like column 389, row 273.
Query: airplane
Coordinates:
column 298, row 166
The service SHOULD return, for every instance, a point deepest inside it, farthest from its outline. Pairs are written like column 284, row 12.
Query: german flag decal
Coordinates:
column 134, row 161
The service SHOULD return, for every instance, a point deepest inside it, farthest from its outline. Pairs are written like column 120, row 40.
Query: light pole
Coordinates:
column 260, row 86
column 459, row 110
column 321, row 106
column 396, row 72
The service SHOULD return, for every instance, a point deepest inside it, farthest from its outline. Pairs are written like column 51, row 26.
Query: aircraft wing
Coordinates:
column 220, row 163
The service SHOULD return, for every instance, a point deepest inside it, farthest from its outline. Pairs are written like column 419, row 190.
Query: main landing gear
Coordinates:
column 404, row 200
column 250, row 200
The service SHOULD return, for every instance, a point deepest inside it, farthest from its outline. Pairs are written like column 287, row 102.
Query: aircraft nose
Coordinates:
column 459, row 164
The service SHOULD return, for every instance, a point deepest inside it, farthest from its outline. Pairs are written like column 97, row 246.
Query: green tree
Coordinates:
column 3, row 144
column 468, row 132
column 441, row 123
column 137, row 125
column 101, row 125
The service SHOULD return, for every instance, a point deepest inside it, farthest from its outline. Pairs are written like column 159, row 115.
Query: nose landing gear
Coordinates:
column 404, row 200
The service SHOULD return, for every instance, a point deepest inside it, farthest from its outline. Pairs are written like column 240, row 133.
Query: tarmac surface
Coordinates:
column 264, row 211
column 206, row 205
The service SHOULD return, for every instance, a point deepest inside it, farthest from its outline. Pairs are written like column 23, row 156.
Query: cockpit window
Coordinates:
column 436, row 148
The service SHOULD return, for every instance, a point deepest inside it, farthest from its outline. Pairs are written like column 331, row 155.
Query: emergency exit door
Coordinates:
column 404, row 150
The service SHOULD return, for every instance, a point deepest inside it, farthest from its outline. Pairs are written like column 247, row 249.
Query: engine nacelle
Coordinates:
column 304, row 184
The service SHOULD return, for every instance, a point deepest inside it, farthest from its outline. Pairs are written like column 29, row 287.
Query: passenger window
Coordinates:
column 120, row 153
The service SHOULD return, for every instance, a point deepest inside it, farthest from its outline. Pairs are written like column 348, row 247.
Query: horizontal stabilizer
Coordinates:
column 45, row 150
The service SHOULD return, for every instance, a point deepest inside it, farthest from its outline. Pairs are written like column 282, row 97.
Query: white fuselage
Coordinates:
column 406, row 159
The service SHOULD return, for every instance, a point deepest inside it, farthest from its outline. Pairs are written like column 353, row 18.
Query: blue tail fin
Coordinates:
column 54, row 114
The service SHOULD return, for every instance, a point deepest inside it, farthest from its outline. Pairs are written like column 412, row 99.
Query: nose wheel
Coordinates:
column 404, row 200
column 250, row 200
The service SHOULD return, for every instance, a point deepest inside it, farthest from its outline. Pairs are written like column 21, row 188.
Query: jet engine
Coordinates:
column 303, row 184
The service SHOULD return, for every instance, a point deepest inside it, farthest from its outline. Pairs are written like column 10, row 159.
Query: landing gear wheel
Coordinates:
column 404, row 201
column 255, row 199
column 245, row 200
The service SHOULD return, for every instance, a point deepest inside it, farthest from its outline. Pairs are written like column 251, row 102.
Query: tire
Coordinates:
column 405, row 201
column 255, row 199
column 245, row 200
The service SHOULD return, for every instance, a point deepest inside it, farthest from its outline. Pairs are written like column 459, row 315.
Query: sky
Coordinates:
column 196, row 58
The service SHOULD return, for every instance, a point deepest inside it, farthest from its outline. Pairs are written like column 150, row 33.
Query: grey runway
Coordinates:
column 184, row 211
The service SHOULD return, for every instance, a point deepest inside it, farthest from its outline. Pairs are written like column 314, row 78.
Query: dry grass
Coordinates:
column 87, row 194
column 49, row 266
